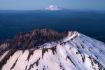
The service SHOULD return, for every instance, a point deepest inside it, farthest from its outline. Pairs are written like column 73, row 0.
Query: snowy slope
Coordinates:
column 74, row 52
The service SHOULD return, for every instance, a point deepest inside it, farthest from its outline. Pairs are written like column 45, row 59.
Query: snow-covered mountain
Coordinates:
column 71, row 51
column 53, row 8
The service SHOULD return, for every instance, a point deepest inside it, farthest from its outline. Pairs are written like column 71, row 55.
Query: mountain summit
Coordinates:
column 65, row 51
column 53, row 7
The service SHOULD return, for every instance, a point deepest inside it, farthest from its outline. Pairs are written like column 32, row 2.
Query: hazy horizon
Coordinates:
column 38, row 4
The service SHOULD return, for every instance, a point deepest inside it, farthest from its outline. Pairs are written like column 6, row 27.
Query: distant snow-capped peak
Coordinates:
column 53, row 7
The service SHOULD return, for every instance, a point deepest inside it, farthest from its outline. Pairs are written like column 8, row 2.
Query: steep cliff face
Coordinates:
column 72, row 51
column 29, row 40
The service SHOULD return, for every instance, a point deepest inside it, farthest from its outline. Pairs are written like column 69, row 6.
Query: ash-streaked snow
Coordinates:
column 74, row 52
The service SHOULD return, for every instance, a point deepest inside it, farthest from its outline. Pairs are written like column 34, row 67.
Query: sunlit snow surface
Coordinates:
column 53, row 8
column 74, row 52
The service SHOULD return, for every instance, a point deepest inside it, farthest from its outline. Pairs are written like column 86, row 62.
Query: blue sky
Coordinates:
column 40, row 4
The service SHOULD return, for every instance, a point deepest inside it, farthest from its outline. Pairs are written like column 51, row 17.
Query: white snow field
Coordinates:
column 74, row 52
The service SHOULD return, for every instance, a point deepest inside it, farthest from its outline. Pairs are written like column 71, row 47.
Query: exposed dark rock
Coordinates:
column 53, row 49
column 10, row 53
column 37, row 37
column 43, row 51
column 31, row 52
column 71, row 60
column 37, row 62
column 14, row 64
